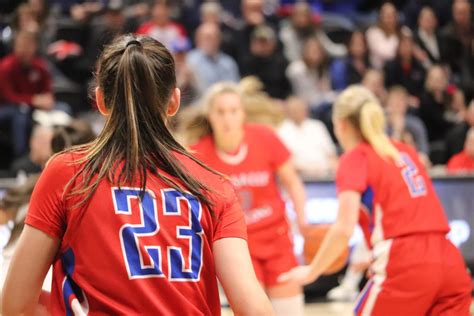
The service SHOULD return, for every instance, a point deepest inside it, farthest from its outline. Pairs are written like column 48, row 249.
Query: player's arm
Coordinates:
column 30, row 263
column 292, row 183
column 334, row 243
column 235, row 272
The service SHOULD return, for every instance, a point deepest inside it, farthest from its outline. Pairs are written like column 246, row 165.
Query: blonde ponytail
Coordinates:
column 359, row 106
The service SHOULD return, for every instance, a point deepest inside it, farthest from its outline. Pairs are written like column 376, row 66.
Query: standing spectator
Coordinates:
column 407, row 69
column 464, row 161
column 267, row 63
column 457, row 135
column 314, row 153
column 427, row 37
column 208, row 61
column 382, row 39
column 25, row 84
column 433, row 104
column 403, row 126
column 351, row 70
column 301, row 26
column 310, row 76
column 160, row 27
column 457, row 35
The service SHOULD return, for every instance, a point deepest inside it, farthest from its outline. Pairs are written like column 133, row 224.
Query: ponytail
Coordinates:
column 372, row 127
column 359, row 106
column 137, row 77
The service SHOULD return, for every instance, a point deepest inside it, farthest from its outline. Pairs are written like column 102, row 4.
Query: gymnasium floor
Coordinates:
column 326, row 309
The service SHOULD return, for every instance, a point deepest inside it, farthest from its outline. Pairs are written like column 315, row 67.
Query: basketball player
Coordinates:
column 255, row 159
column 133, row 224
column 416, row 270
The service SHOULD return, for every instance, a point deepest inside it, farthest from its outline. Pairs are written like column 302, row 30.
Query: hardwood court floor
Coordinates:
column 325, row 309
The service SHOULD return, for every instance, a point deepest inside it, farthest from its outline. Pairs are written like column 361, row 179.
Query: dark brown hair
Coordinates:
column 137, row 77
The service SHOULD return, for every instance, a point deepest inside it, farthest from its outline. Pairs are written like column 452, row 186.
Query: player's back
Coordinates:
column 398, row 196
column 120, row 255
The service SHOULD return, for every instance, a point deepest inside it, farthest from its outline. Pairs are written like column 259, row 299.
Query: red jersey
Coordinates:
column 18, row 83
column 253, row 175
column 120, row 256
column 167, row 34
column 397, row 198
column 460, row 163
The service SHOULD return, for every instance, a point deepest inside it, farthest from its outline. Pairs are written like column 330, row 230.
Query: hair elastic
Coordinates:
column 133, row 42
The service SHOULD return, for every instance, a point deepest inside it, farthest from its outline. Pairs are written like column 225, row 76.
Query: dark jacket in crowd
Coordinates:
column 410, row 76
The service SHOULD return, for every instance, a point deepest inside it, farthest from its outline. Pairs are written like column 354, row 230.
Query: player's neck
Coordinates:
column 351, row 143
column 229, row 144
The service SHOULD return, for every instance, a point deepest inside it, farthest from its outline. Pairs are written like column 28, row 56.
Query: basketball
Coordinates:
column 312, row 244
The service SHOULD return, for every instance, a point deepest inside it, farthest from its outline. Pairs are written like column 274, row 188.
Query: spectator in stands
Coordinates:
column 40, row 151
column 160, row 27
column 252, row 16
column 467, row 73
column 457, row 135
column 267, row 63
column 25, row 19
column 403, row 126
column 427, row 36
column 407, row 69
column 186, row 78
column 382, row 38
column 302, row 25
column 457, row 105
column 25, row 84
column 351, row 70
column 457, row 36
column 463, row 162
column 208, row 61
column 374, row 81
column 434, row 103
column 310, row 76
column 314, row 153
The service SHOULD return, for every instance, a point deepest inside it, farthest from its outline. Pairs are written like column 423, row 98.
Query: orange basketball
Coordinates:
column 312, row 243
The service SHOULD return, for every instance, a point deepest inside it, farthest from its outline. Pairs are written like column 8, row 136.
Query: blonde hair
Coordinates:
column 362, row 109
column 193, row 122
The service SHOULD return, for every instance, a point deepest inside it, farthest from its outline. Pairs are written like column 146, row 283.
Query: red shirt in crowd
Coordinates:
column 254, row 176
column 166, row 34
column 120, row 256
column 460, row 163
column 397, row 198
column 19, row 82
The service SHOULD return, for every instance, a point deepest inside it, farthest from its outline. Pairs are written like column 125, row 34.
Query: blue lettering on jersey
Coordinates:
column 149, row 226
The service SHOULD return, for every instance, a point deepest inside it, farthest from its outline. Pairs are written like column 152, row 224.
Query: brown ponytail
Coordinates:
column 137, row 77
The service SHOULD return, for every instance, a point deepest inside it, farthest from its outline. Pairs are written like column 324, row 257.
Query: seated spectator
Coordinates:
column 267, row 63
column 186, row 78
column 457, row 36
column 403, row 126
column 434, row 104
column 382, row 38
column 457, row 106
column 302, row 25
column 40, row 151
column 310, row 76
column 253, row 16
column 25, row 84
column 407, row 69
column 374, row 81
column 160, row 27
column 463, row 162
column 351, row 70
column 314, row 153
column 208, row 61
column 457, row 135
column 427, row 36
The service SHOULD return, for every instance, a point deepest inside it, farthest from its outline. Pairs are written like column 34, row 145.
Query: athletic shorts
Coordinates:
column 272, row 255
column 416, row 275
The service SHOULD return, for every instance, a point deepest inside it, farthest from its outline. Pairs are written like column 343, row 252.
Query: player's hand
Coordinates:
column 301, row 275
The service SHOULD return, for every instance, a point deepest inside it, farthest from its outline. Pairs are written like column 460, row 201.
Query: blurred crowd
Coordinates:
column 291, row 57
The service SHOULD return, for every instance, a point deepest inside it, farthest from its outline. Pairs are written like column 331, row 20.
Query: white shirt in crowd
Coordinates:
column 311, row 146
column 382, row 48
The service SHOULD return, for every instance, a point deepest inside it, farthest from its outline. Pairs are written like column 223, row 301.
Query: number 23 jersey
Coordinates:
column 398, row 198
column 122, row 256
